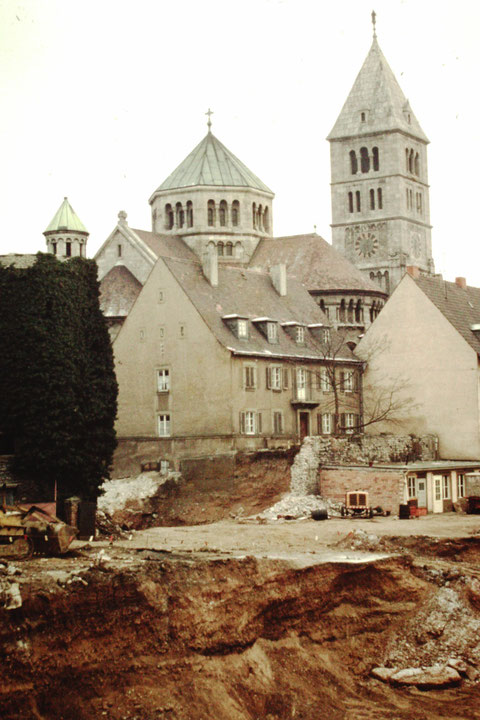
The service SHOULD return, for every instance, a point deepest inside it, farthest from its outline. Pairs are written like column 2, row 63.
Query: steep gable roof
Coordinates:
column 377, row 92
column 211, row 163
column 251, row 295
column 460, row 306
column 118, row 291
column 165, row 245
column 314, row 262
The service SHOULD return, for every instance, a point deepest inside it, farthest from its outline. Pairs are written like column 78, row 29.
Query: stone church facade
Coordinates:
column 379, row 178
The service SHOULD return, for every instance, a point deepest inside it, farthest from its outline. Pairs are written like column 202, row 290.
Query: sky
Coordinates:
column 102, row 99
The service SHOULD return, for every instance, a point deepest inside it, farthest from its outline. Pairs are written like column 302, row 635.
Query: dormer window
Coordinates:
column 242, row 328
column 300, row 335
column 237, row 325
column 272, row 332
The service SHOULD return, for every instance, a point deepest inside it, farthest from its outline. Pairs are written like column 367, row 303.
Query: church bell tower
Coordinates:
column 379, row 177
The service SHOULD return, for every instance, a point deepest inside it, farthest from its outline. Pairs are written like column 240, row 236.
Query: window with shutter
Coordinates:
column 259, row 423
column 285, row 378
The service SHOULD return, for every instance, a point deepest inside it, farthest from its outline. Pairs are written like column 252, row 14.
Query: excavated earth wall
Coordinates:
column 151, row 635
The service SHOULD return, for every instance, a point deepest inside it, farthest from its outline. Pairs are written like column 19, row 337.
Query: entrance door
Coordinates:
column 304, row 422
column 437, row 494
column 422, row 492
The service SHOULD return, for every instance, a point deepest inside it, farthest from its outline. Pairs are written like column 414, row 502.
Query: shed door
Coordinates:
column 437, row 494
column 422, row 492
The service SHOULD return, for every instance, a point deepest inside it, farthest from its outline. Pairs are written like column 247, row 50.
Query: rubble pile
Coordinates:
column 294, row 507
column 358, row 540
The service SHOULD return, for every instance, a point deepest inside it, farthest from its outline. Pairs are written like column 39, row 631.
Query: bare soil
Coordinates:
column 242, row 620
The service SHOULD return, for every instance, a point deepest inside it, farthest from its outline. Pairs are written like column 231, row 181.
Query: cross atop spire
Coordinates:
column 374, row 22
column 209, row 123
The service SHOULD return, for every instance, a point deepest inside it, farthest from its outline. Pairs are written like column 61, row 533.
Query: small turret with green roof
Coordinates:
column 66, row 235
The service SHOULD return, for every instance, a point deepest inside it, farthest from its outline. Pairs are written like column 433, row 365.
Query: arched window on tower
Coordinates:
column 379, row 198
column 220, row 249
column 259, row 217
column 266, row 219
column 417, row 164
column 387, row 283
column 222, row 213
column 407, row 157
column 373, row 311
column 229, row 249
column 372, row 199
column 341, row 314
column 179, row 214
column 364, row 160
column 358, row 200
column 353, row 162
column 359, row 312
column 411, row 161
column 238, row 249
column 376, row 159
column 168, row 217
column 211, row 212
column 350, row 202
column 350, row 311
column 235, row 213
column 189, row 214
column 254, row 215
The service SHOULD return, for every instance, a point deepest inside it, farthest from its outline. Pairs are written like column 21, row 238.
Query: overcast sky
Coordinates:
column 102, row 99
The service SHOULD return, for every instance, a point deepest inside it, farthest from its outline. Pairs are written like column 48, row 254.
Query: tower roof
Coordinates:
column 211, row 163
column 65, row 219
column 377, row 93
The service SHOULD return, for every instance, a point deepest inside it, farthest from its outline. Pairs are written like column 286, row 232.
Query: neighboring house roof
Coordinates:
column 377, row 92
column 460, row 306
column 250, row 294
column 166, row 245
column 118, row 291
column 211, row 163
column 314, row 262
column 66, row 219
column 18, row 261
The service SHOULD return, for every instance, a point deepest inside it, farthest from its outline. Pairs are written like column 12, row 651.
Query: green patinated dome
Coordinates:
column 211, row 163
column 66, row 220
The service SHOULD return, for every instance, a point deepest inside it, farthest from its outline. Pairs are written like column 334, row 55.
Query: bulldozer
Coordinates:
column 27, row 529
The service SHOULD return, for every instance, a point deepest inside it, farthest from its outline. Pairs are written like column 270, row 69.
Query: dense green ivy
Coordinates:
column 58, row 392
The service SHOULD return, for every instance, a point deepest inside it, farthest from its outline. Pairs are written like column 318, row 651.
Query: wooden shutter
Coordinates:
column 342, row 421
column 319, row 424
column 269, row 378
column 342, row 381
column 259, row 423
column 285, row 378
column 242, row 423
column 355, row 381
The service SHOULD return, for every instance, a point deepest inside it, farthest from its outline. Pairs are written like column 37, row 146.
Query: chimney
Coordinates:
column 210, row 267
column 413, row 271
column 461, row 282
column 278, row 273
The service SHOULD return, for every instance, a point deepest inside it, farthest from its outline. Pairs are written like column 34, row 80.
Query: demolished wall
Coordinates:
column 358, row 450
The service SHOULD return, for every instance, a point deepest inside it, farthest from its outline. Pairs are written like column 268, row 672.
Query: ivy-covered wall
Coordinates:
column 58, row 392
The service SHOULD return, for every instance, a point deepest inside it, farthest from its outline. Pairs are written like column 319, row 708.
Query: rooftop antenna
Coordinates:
column 374, row 22
column 209, row 122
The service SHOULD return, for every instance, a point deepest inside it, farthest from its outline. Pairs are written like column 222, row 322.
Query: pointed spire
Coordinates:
column 376, row 102
column 65, row 219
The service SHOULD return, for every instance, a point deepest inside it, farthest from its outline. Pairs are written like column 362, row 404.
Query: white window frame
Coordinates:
column 411, row 486
column 163, row 380
column 446, row 491
column 272, row 332
column 276, row 377
column 348, row 382
column 327, row 423
column 301, row 384
column 163, row 424
column 299, row 334
column 460, row 485
column 242, row 328
column 349, row 422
